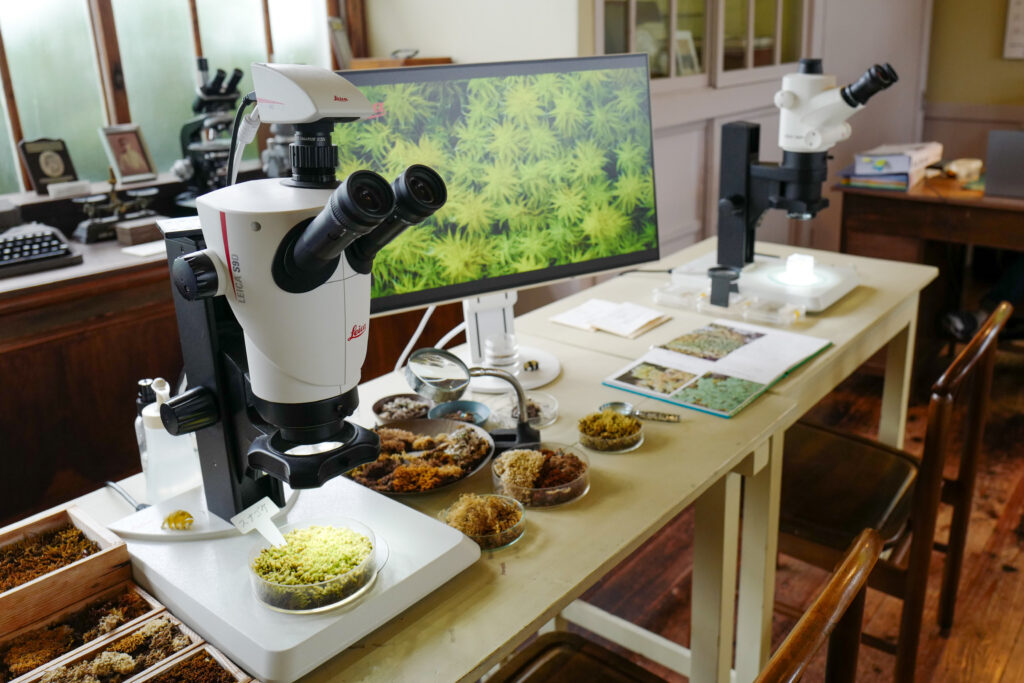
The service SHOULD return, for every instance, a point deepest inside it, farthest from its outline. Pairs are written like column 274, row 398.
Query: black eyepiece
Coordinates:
column 810, row 65
column 419, row 192
column 308, row 255
column 875, row 79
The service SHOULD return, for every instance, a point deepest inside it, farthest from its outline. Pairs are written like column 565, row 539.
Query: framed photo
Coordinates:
column 128, row 154
column 687, row 61
column 47, row 162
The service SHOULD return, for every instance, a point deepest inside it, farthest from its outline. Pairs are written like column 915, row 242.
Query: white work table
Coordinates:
column 465, row 627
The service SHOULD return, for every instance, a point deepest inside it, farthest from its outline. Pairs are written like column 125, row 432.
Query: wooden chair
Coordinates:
column 837, row 611
column 834, row 485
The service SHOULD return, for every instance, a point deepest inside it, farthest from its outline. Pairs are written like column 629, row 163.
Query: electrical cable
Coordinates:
column 250, row 98
column 415, row 337
column 443, row 341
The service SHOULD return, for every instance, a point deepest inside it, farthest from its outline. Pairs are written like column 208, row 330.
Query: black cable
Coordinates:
column 246, row 101
column 663, row 271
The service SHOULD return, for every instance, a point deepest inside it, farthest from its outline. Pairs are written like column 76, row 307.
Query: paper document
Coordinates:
column 624, row 319
column 719, row 368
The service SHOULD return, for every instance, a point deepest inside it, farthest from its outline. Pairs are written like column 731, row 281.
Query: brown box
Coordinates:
column 155, row 608
column 50, row 593
column 138, row 230
column 180, row 657
column 98, row 646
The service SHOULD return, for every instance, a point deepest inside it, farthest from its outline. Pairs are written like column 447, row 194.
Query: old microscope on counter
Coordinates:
column 206, row 137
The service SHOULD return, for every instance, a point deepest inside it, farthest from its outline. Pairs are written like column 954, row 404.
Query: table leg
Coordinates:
column 758, row 553
column 899, row 361
column 716, row 521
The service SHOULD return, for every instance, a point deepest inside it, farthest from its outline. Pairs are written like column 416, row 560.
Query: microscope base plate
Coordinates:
column 206, row 582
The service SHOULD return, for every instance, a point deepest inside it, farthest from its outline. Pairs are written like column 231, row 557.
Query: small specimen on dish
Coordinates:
column 178, row 520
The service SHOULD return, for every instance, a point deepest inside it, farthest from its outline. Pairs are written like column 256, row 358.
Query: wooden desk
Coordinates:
column 468, row 625
column 931, row 223
column 881, row 313
column 894, row 224
column 465, row 627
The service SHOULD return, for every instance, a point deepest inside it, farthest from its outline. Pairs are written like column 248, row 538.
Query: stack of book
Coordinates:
column 892, row 167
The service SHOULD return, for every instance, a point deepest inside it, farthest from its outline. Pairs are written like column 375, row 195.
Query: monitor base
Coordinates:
column 547, row 364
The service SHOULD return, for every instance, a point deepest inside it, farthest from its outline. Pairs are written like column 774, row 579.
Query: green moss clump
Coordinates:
column 317, row 566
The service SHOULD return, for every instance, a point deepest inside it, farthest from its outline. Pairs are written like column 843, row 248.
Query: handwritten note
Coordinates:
column 259, row 516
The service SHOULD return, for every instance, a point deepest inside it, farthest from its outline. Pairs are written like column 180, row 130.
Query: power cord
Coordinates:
column 236, row 130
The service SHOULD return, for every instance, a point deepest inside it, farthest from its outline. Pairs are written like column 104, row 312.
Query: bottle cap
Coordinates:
column 151, row 413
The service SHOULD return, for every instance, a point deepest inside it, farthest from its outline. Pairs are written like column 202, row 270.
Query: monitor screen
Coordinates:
column 548, row 164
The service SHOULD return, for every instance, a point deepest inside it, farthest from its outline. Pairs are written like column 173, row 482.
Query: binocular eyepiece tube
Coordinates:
column 419, row 192
column 362, row 216
column 874, row 80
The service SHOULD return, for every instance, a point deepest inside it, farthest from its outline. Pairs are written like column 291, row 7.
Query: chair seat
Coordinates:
column 836, row 485
column 564, row 656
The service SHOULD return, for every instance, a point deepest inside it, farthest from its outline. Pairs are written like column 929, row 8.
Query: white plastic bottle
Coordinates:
column 172, row 463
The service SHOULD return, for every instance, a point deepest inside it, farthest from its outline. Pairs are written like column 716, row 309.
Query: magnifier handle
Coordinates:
column 656, row 416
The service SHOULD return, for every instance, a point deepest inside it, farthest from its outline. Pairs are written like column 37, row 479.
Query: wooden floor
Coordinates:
column 652, row 588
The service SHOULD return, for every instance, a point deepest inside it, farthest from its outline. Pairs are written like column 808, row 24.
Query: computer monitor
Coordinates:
column 549, row 168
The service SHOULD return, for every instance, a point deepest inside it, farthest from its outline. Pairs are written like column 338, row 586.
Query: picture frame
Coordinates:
column 128, row 154
column 687, row 60
column 47, row 162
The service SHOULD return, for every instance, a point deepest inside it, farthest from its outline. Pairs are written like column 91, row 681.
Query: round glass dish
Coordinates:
column 493, row 540
column 605, row 442
column 474, row 412
column 542, row 496
column 341, row 589
column 544, row 404
column 410, row 403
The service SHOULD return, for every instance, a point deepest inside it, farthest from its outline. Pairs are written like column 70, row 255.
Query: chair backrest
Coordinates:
column 814, row 628
column 972, row 368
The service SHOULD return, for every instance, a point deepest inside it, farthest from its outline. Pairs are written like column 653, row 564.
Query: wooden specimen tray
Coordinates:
column 188, row 653
column 155, row 608
column 98, row 646
column 37, row 599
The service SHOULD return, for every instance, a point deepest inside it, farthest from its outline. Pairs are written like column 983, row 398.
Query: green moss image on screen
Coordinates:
column 542, row 170
column 718, row 392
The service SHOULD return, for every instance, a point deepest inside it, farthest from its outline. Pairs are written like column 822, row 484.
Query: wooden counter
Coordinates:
column 73, row 343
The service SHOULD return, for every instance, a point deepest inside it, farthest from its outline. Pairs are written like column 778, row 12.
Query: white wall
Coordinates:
column 475, row 30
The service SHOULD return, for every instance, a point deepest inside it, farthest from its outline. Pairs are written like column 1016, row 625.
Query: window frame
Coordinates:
column 714, row 74
column 114, row 95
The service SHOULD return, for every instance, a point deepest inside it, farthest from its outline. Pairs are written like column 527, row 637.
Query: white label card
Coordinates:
column 259, row 516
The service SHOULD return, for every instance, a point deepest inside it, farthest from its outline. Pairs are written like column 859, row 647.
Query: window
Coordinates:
column 60, row 53
column 160, row 89
column 46, row 90
column 750, row 34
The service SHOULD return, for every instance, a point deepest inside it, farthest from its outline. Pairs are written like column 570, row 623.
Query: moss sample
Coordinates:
column 317, row 566
column 39, row 646
column 542, row 170
column 153, row 642
column 31, row 557
column 199, row 668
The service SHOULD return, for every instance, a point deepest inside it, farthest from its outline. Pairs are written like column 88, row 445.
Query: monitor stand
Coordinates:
column 490, row 333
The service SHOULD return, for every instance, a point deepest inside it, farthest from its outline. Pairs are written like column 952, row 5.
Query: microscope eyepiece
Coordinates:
column 419, row 192
column 875, row 79
column 308, row 255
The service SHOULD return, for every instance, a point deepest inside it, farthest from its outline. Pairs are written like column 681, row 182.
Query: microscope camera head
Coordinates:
column 297, row 94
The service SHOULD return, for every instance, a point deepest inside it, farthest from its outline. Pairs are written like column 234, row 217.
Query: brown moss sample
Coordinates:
column 154, row 642
column 39, row 646
column 200, row 668
column 34, row 556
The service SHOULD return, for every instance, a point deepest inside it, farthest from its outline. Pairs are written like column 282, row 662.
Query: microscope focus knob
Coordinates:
column 189, row 411
column 733, row 205
column 195, row 276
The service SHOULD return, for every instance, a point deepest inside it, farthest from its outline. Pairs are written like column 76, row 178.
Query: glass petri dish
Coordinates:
column 543, row 496
column 546, row 406
column 306, row 598
column 498, row 539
